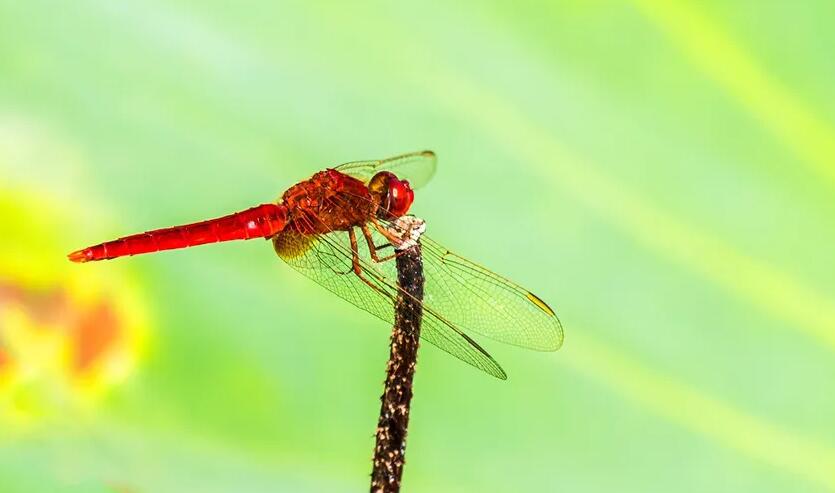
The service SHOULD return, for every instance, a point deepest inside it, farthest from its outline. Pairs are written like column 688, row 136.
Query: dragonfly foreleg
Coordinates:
column 391, row 237
column 372, row 248
column 355, row 258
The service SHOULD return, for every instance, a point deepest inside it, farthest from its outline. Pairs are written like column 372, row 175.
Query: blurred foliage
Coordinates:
column 661, row 171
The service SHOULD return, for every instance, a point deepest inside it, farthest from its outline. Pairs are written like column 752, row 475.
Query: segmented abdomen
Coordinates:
column 262, row 221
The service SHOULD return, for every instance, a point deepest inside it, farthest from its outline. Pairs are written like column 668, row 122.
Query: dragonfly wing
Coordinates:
column 327, row 259
column 416, row 167
column 479, row 301
column 486, row 303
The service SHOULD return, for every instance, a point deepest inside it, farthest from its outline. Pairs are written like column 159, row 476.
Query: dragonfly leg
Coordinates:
column 372, row 248
column 391, row 237
column 355, row 254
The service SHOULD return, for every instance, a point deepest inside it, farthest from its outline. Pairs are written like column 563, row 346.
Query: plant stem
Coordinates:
column 390, row 449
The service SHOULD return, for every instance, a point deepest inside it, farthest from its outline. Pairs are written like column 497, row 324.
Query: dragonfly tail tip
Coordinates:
column 80, row 256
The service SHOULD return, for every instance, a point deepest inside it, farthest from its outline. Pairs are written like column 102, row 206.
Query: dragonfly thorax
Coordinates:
column 329, row 201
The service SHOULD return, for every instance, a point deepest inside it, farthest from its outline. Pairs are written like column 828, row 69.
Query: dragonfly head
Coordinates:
column 395, row 196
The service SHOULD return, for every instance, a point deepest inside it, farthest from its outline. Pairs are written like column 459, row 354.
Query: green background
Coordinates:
column 661, row 172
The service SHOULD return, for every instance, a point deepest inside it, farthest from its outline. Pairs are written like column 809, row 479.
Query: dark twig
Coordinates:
column 389, row 452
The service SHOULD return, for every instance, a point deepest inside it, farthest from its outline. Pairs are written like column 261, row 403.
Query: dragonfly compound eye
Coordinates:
column 400, row 197
column 395, row 196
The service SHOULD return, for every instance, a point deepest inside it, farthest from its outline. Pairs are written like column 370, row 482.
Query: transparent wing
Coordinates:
column 477, row 300
column 327, row 259
column 416, row 167
column 481, row 301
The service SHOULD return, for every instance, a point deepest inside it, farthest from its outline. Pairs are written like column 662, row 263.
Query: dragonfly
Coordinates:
column 337, row 229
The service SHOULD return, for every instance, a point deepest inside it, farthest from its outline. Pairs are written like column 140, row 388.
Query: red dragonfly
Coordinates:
column 318, row 226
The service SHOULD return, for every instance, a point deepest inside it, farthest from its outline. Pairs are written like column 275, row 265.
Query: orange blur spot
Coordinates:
column 96, row 331
column 91, row 330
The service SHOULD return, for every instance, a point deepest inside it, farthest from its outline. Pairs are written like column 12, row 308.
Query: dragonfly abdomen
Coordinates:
column 262, row 221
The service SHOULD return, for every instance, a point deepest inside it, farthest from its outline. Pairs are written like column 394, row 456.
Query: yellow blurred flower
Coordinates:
column 66, row 334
